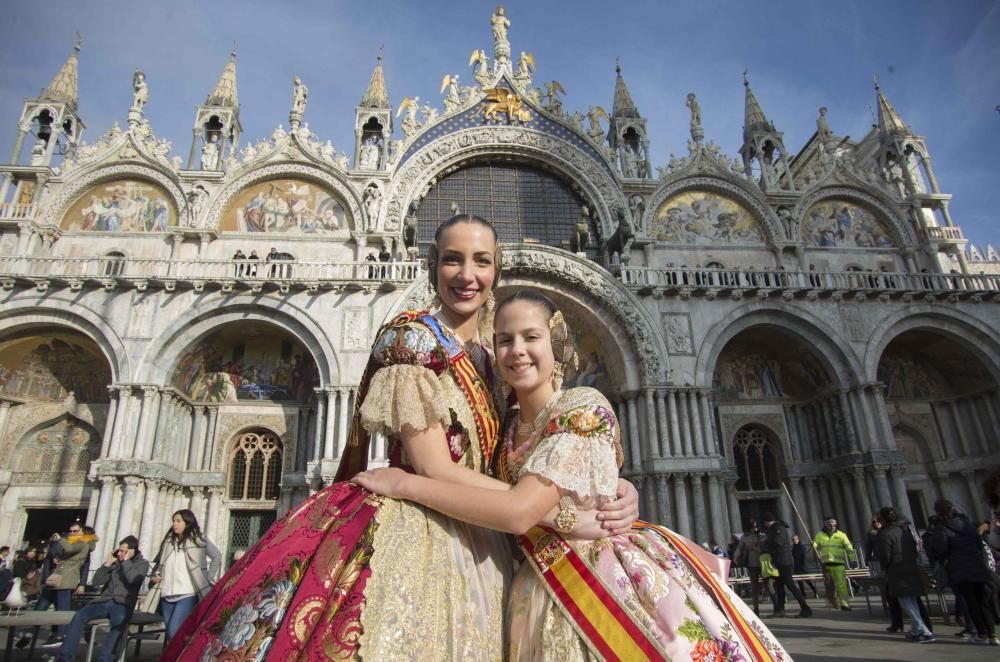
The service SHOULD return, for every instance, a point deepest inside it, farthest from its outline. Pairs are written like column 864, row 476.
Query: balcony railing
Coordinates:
column 877, row 282
column 14, row 212
column 952, row 233
column 252, row 274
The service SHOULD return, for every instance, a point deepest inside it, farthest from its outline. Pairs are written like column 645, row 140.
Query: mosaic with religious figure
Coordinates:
column 246, row 361
column 122, row 205
column 750, row 369
column 841, row 224
column 284, row 206
column 921, row 365
column 51, row 366
column 697, row 217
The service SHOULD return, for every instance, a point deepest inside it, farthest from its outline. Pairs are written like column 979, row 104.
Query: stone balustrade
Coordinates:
column 949, row 233
column 110, row 271
column 10, row 211
column 737, row 282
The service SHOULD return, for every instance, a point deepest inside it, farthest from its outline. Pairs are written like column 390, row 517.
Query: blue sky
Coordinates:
column 938, row 62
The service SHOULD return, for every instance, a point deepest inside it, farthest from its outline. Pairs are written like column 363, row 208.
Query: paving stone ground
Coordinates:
column 830, row 635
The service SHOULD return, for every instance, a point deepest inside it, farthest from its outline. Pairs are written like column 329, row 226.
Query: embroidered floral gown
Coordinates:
column 348, row 575
column 660, row 590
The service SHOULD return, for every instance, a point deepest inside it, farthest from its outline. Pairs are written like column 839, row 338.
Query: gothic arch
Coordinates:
column 327, row 177
column 164, row 352
column 566, row 159
column 741, row 193
column 902, row 233
column 975, row 337
column 78, row 183
column 26, row 314
column 841, row 365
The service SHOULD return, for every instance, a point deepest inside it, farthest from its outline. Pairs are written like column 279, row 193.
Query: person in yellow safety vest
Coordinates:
column 834, row 549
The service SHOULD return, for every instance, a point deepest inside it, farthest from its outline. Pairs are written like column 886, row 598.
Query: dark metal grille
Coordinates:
column 246, row 527
column 756, row 464
column 255, row 467
column 523, row 202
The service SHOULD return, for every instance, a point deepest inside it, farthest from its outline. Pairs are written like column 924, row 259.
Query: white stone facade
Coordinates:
column 817, row 404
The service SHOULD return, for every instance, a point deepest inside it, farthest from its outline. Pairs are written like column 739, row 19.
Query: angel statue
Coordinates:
column 553, row 103
column 410, row 123
column 430, row 114
column 140, row 90
column 525, row 69
column 596, row 131
column 452, row 100
column 482, row 71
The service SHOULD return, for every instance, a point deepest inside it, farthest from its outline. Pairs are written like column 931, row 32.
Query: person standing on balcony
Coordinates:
column 239, row 258
column 252, row 266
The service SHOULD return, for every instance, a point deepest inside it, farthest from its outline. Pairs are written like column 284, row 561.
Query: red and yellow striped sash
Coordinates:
column 484, row 408
column 593, row 611
column 713, row 586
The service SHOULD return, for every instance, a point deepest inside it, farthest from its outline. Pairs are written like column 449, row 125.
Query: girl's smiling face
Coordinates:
column 524, row 346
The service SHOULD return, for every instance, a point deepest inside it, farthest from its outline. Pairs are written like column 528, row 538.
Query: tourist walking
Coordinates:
column 896, row 548
column 185, row 569
column 778, row 544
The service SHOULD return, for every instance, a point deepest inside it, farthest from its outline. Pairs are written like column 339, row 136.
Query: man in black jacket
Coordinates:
column 121, row 575
column 779, row 546
column 897, row 553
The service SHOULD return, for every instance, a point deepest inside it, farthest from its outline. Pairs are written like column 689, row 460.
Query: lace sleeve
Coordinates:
column 583, row 467
column 405, row 390
column 403, row 395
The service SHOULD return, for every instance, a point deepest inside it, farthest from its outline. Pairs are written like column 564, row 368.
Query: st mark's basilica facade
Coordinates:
column 812, row 321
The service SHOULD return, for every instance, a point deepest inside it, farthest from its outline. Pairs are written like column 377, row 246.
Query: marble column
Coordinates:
column 850, row 426
column 976, row 501
column 212, row 516
column 684, row 422
column 330, row 428
column 976, row 414
column 861, row 491
column 859, row 523
column 208, row 458
column 104, row 507
column 717, row 510
column 635, row 442
column 829, row 429
column 198, row 502
column 148, row 538
column 882, row 417
column 819, row 449
column 164, row 507
column 678, row 445
column 881, row 486
column 681, row 504
column 92, row 502
column 800, row 507
column 163, row 415
column 345, row 416
column 663, row 500
column 134, row 445
column 195, row 448
column 127, row 515
column 813, row 520
column 864, row 408
column 318, row 430
column 663, row 440
column 794, row 437
column 121, row 414
column 736, row 524
column 652, row 445
column 4, row 417
column 699, row 438
column 825, row 498
column 647, row 492
column 900, row 498
column 698, row 510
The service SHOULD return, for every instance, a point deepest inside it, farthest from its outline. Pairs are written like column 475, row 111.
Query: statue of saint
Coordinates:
column 368, row 159
column 299, row 94
column 210, row 153
column 630, row 166
column 372, row 199
column 692, row 103
column 500, row 25
column 822, row 127
column 140, row 90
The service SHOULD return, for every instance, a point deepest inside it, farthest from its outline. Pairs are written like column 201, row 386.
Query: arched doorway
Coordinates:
column 758, row 478
column 254, row 464
column 942, row 403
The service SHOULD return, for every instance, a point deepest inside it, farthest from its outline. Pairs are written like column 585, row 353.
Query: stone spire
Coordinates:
column 225, row 90
column 888, row 119
column 376, row 96
column 754, row 119
column 623, row 105
column 63, row 85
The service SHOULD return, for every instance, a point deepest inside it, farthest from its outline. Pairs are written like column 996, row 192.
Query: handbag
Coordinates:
column 54, row 580
column 150, row 600
column 767, row 569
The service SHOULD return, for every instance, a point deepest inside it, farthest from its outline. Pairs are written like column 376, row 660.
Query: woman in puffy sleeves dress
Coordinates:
column 349, row 575
column 644, row 594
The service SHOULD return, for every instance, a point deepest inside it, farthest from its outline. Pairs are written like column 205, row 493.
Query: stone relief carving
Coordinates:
column 677, row 328
column 357, row 329
column 853, row 322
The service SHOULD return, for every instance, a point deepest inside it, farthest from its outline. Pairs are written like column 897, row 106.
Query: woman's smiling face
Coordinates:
column 466, row 267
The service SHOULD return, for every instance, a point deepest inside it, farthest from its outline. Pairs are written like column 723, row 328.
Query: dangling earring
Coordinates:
column 491, row 302
column 557, row 376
